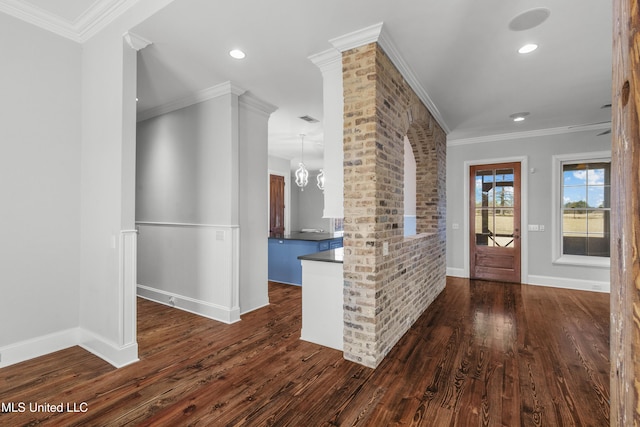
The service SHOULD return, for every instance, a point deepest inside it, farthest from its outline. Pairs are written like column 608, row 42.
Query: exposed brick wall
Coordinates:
column 385, row 294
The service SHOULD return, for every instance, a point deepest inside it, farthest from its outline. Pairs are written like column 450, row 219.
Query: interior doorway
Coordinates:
column 276, row 205
column 494, row 222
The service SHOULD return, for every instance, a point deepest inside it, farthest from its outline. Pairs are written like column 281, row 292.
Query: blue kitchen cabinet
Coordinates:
column 284, row 265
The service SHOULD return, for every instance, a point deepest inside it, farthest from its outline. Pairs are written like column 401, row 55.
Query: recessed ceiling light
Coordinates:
column 237, row 54
column 528, row 48
column 519, row 117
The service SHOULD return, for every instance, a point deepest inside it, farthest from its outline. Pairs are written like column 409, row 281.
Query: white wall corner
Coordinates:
column 457, row 272
column 116, row 355
column 135, row 41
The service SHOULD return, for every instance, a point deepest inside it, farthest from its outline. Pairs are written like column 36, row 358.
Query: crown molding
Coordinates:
column 100, row 14
column 358, row 38
column 377, row 33
column 327, row 59
column 216, row 91
column 527, row 134
column 253, row 103
column 135, row 41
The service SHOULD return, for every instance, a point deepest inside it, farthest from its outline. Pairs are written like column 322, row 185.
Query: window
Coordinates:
column 583, row 209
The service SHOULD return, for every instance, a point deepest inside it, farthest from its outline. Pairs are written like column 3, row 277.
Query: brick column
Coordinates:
column 389, row 279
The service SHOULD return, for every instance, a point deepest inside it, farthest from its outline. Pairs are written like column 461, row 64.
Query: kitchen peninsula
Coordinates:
column 323, row 298
column 284, row 265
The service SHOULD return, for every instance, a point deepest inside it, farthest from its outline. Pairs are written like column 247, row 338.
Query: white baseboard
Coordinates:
column 565, row 283
column 201, row 308
column 456, row 272
column 256, row 308
column 39, row 346
column 110, row 352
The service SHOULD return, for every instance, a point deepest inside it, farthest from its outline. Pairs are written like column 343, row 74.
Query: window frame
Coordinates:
column 557, row 209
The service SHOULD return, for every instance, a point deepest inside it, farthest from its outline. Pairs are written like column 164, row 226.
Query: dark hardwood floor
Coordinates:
column 483, row 354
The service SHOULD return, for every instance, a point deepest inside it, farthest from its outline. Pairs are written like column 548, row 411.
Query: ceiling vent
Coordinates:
column 309, row 119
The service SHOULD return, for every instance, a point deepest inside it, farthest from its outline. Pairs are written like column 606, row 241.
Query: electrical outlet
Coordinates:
column 455, row 226
column 385, row 248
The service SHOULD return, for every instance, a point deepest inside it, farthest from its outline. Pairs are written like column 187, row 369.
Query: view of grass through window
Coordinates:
column 586, row 206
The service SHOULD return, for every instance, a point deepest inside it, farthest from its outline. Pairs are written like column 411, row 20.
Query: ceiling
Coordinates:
column 462, row 53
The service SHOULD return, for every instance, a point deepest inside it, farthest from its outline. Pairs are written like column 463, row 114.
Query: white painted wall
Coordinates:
column 40, row 186
column 537, row 245
column 107, row 190
column 202, row 189
column 253, row 190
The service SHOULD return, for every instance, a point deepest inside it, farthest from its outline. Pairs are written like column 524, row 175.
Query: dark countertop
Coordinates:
column 313, row 237
column 332, row 255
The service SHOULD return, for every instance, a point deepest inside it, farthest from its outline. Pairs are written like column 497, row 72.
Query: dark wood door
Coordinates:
column 276, row 205
column 494, row 222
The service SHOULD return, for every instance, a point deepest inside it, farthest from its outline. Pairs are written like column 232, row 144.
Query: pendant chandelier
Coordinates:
column 302, row 174
column 320, row 180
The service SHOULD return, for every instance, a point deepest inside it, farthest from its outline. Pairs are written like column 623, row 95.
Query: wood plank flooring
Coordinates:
column 484, row 354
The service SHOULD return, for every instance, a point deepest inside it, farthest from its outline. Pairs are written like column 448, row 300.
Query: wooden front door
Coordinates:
column 276, row 205
column 494, row 222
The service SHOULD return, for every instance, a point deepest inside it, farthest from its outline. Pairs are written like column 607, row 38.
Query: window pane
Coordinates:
column 595, row 176
column 596, row 197
column 484, row 188
column 504, row 227
column 484, row 227
column 598, row 223
column 574, row 223
column 586, row 200
column 575, row 197
column 574, row 245
column 575, row 174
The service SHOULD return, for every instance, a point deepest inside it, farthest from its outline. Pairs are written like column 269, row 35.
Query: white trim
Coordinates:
column 135, row 41
column 327, row 59
column 378, row 33
column 556, row 215
column 191, row 305
column 361, row 37
column 182, row 224
column 99, row 15
column 457, row 272
column 566, row 283
column 117, row 355
column 526, row 134
column 39, row 346
column 127, row 309
column 251, row 102
column 203, row 95
column 524, row 210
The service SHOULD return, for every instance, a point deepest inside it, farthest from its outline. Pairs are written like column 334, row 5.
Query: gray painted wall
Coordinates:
column 40, row 172
column 308, row 205
column 538, row 151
